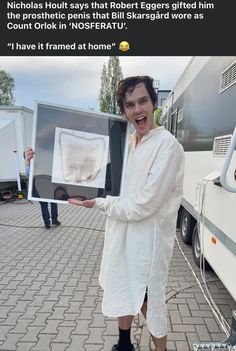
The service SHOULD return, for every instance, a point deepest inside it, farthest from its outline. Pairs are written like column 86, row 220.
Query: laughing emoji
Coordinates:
column 124, row 46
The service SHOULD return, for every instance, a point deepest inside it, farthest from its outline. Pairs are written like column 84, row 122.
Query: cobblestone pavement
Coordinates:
column 50, row 298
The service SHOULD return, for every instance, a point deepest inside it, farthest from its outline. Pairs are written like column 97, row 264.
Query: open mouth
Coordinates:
column 141, row 120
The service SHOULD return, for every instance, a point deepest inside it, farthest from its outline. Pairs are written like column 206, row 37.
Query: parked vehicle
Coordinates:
column 200, row 112
column 15, row 136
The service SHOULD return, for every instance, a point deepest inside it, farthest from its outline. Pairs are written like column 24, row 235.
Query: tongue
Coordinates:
column 141, row 122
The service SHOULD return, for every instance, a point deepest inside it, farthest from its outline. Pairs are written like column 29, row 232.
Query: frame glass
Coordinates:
column 78, row 154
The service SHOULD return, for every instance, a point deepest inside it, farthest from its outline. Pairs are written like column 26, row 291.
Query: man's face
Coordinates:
column 138, row 109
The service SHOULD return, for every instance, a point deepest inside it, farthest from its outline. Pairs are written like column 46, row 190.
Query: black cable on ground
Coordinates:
column 61, row 226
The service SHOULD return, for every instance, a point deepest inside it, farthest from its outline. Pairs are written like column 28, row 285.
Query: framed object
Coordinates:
column 78, row 153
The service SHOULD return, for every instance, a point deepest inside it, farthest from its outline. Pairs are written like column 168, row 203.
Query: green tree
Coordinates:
column 110, row 77
column 7, row 86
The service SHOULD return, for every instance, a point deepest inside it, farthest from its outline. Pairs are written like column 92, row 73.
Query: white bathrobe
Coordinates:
column 140, row 229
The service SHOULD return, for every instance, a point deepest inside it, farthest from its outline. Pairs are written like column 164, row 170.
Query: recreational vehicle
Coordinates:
column 200, row 112
column 15, row 135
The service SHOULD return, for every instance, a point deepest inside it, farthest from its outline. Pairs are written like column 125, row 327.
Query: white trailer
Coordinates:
column 200, row 112
column 15, row 136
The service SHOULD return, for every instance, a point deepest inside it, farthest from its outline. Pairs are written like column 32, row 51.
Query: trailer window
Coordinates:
column 180, row 115
column 173, row 122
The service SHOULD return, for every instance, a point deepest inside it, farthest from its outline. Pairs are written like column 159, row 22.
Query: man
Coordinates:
column 141, row 224
column 44, row 205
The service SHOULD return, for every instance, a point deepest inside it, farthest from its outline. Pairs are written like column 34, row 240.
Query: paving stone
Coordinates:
column 172, row 306
column 170, row 346
column 47, row 307
column 193, row 320
column 58, row 313
column 204, row 307
column 90, row 301
column 4, row 294
column 43, row 343
column 176, row 336
column 27, row 282
column 25, row 346
column 40, row 319
column 192, row 339
column 98, row 321
column 37, row 301
column 203, row 333
column 20, row 290
column 63, row 301
column 59, row 346
column 53, row 296
column 109, row 341
column 11, row 301
column 182, row 346
column 88, row 347
column 83, row 286
column 4, row 330
column 95, row 336
column 74, row 307
column 28, row 296
column 71, row 316
column 77, row 342
column 51, row 326
column 6, row 281
column 59, row 286
column 212, row 326
column 68, row 323
column 32, row 334
column 184, row 311
column 12, row 318
column 4, row 310
column 177, row 300
column 36, row 285
column 11, row 342
column 63, row 334
column 50, row 281
column 21, row 326
column 218, row 336
column 202, row 314
column 30, row 312
column 111, row 328
column 86, row 313
column 12, row 285
column 82, row 327
column 50, row 298
column 175, row 317
column 20, row 306
column 98, row 308
column 183, row 328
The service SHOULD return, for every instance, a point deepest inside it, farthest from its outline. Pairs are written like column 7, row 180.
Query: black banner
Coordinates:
column 139, row 28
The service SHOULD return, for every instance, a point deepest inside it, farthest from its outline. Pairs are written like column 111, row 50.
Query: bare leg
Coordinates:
column 125, row 322
column 144, row 309
column 160, row 343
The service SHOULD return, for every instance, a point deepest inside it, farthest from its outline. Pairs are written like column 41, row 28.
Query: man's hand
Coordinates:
column 29, row 155
column 84, row 203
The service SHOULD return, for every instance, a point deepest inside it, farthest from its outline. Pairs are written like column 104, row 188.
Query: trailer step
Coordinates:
column 226, row 345
column 212, row 346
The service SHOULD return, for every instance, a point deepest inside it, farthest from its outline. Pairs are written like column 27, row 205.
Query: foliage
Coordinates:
column 7, row 86
column 110, row 77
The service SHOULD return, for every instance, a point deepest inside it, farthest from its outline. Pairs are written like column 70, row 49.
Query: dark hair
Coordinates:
column 128, row 85
column 60, row 193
